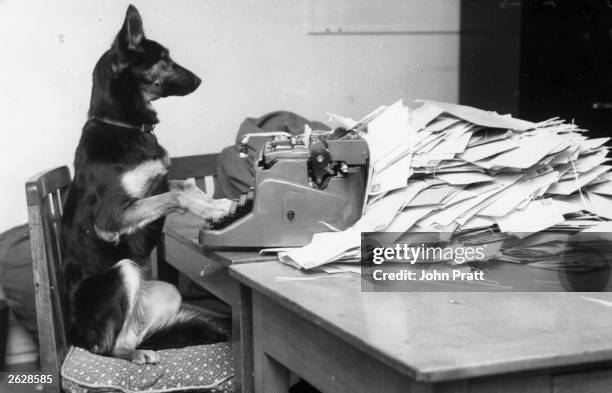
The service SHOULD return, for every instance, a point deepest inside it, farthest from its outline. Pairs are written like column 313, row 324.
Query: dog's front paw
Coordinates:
column 223, row 204
column 205, row 210
column 144, row 356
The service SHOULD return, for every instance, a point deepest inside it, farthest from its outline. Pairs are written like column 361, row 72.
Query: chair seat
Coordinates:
column 205, row 368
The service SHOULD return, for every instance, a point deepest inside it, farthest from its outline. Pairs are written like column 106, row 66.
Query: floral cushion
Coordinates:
column 203, row 368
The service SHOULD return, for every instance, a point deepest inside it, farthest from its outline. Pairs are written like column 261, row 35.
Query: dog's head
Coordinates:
column 148, row 62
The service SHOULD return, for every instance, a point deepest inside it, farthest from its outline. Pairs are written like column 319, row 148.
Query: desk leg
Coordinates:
column 242, row 338
column 270, row 375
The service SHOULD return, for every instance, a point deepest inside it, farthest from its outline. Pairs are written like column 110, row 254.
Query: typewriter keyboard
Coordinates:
column 239, row 209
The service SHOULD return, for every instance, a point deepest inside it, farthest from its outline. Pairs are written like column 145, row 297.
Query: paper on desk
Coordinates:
column 393, row 177
column 529, row 151
column 380, row 214
column 441, row 123
column 447, row 216
column 409, row 216
column 477, row 168
column 434, row 194
column 516, row 193
column 372, row 115
column 588, row 162
column 387, row 130
column 481, row 117
column 345, row 122
column 324, row 247
column 486, row 150
column 589, row 144
column 566, row 187
column 600, row 205
column 604, row 188
column 602, row 227
column 423, row 115
column 454, row 142
column 461, row 178
column 538, row 215
column 478, row 222
column 488, row 135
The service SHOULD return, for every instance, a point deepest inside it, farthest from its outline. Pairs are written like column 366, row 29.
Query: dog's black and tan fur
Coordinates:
column 115, row 209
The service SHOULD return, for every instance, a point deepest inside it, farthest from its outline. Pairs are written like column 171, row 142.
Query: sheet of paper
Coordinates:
column 530, row 151
column 486, row 193
column 455, row 141
column 462, row 178
column 372, row 115
column 481, row 117
column 478, row 222
column 345, row 122
column 482, row 151
column 602, row 227
column 448, row 215
column 379, row 215
column 604, row 188
column 387, row 130
column 538, row 215
column 323, row 248
column 409, row 216
column 600, row 205
column 441, row 123
column 512, row 196
column 488, row 135
column 393, row 177
column 569, row 186
column 588, row 162
column 589, row 144
column 459, row 196
column 397, row 153
column 434, row 195
column 430, row 160
column 423, row 115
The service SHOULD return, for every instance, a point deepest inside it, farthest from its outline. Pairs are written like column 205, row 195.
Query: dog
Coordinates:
column 116, row 204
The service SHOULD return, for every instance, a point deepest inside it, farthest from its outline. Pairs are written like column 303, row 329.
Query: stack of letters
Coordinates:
column 448, row 168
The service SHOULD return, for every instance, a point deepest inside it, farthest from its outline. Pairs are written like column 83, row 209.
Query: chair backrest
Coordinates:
column 202, row 168
column 45, row 194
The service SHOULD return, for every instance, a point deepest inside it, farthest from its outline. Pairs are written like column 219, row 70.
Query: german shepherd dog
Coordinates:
column 116, row 204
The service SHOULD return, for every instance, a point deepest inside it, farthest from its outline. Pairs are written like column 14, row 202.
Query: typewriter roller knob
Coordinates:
column 319, row 162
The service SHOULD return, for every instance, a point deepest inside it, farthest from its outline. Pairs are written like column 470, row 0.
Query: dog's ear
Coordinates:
column 132, row 28
column 129, row 38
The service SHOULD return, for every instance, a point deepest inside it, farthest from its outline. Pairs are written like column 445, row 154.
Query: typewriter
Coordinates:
column 303, row 185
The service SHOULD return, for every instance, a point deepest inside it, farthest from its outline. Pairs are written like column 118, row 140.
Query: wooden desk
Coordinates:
column 210, row 270
column 343, row 340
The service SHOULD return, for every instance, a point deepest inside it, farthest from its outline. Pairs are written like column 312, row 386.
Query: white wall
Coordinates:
column 254, row 57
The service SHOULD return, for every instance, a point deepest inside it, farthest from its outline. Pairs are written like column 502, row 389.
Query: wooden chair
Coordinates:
column 45, row 194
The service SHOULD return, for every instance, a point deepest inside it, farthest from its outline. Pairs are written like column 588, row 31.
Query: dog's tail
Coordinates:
column 187, row 328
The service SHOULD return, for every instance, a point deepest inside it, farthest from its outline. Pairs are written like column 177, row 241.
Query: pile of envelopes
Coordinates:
column 455, row 169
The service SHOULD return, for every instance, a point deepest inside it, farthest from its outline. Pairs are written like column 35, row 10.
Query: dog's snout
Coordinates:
column 197, row 81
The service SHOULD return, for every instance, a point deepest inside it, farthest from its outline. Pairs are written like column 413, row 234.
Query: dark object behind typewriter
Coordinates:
column 301, row 188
